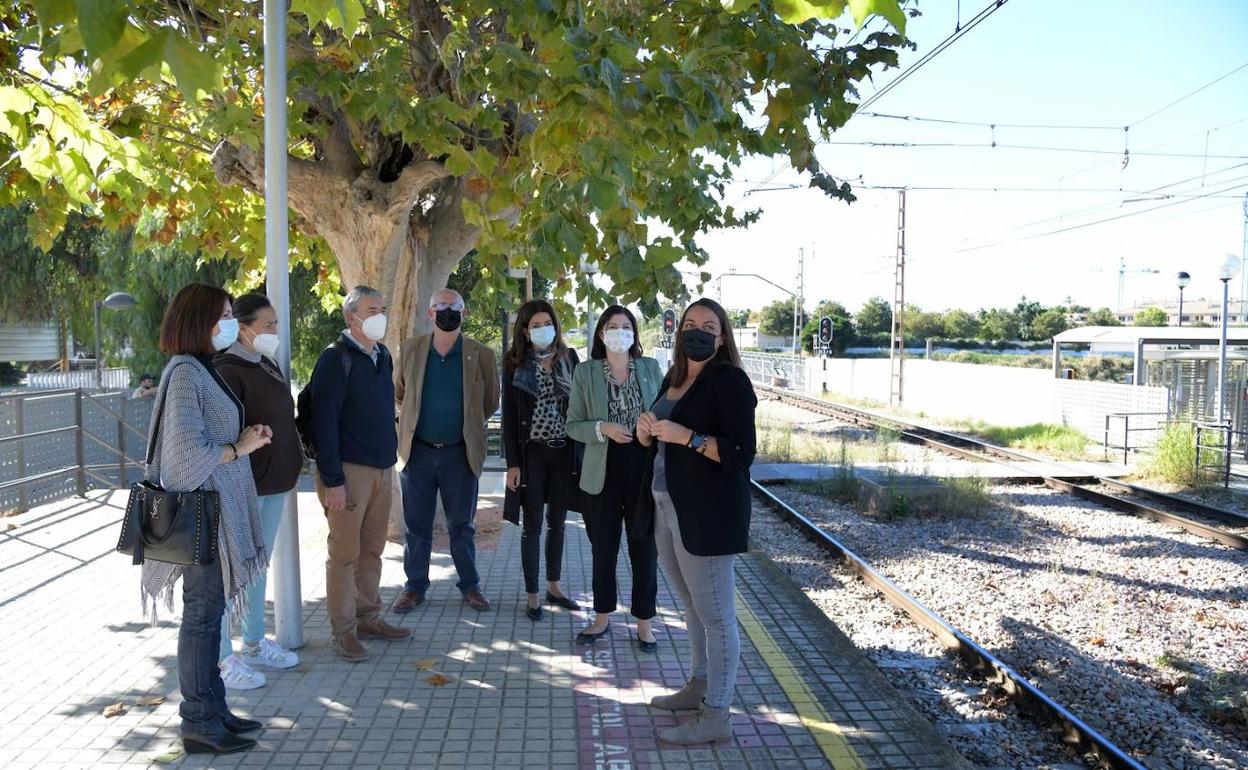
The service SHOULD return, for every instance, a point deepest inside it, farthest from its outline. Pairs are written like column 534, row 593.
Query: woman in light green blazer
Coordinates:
column 609, row 393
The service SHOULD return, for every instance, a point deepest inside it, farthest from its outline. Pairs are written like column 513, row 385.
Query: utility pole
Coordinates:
column 897, row 348
column 1243, row 254
column 797, row 310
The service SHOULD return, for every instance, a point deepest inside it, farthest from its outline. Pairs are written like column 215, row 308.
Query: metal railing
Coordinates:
column 61, row 435
column 1127, row 430
column 784, row 371
column 1214, row 439
column 114, row 379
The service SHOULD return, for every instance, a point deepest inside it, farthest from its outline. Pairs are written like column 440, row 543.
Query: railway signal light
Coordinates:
column 825, row 331
column 669, row 322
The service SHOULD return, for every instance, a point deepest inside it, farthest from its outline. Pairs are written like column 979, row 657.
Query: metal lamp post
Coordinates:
column 118, row 300
column 590, row 269
column 1182, row 280
column 1229, row 268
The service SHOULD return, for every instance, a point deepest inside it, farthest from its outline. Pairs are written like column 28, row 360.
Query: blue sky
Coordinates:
column 1067, row 62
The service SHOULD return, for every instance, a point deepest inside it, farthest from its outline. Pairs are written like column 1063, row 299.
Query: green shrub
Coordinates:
column 1060, row 440
column 965, row 496
column 1174, row 456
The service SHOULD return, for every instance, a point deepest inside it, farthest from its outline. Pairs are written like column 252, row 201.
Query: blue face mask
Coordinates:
column 227, row 333
column 542, row 336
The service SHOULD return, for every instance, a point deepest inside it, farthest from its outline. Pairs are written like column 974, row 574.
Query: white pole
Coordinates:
column 287, row 592
column 1222, row 353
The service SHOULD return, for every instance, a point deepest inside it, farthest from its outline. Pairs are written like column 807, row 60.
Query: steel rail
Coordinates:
column 1074, row 730
column 967, row 447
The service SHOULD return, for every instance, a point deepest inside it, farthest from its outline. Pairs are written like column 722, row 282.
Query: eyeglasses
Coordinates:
column 448, row 306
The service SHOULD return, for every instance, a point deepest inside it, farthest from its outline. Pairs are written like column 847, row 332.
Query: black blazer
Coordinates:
column 712, row 499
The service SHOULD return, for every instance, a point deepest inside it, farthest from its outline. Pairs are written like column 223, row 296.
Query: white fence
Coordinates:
column 114, row 379
column 1084, row 405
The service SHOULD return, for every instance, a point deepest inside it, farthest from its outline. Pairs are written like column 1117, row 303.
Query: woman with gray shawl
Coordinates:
column 198, row 446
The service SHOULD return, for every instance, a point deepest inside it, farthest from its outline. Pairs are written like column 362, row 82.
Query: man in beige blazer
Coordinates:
column 446, row 386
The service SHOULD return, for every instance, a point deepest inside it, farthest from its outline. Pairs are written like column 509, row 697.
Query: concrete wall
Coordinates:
column 1001, row 395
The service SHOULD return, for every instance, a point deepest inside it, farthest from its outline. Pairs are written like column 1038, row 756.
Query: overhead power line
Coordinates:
column 1095, row 222
column 1028, row 147
column 958, row 32
column 1188, row 95
column 979, row 124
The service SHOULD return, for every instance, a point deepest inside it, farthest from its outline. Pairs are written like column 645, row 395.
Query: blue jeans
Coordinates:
column 199, row 640
column 253, row 622
column 705, row 587
column 430, row 471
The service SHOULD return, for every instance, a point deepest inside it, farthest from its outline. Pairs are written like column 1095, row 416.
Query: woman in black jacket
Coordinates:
column 249, row 368
column 541, row 462
column 697, row 491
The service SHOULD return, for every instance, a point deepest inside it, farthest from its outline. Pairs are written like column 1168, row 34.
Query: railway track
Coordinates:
column 1073, row 730
column 1138, row 501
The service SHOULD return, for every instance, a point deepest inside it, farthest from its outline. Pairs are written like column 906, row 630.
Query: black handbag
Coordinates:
column 173, row 527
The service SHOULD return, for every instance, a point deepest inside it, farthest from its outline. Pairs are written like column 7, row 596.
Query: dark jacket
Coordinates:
column 519, row 401
column 266, row 398
column 712, row 499
column 353, row 421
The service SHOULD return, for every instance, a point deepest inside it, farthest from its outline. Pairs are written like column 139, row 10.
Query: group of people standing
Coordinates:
column 662, row 460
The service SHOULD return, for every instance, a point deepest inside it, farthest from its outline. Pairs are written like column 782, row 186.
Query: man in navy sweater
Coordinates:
column 356, row 449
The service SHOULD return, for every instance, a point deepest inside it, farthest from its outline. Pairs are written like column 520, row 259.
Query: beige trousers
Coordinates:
column 357, row 536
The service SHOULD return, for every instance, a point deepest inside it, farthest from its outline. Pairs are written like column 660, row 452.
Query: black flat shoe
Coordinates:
column 645, row 646
column 534, row 613
column 237, row 724
column 562, row 601
column 216, row 741
column 585, row 637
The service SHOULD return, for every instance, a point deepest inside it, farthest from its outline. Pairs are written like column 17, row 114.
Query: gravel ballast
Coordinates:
column 1124, row 621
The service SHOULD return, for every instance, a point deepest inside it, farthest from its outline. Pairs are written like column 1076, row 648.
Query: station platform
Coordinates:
column 468, row 690
column 1015, row 472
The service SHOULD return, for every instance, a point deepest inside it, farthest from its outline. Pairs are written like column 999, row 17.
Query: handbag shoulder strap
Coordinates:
column 154, row 441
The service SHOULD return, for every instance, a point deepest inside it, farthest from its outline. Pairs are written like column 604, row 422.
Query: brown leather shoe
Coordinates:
column 380, row 629
column 349, row 648
column 476, row 600
column 407, row 601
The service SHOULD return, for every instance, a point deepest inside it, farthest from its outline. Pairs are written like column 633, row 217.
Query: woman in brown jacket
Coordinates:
column 249, row 368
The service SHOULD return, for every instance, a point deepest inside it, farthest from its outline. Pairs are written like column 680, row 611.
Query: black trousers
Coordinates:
column 199, row 648
column 546, row 473
column 615, row 510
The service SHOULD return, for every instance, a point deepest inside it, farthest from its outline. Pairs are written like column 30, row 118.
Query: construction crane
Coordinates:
column 1122, row 276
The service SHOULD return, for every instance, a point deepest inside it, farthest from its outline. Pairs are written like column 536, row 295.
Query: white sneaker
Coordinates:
column 270, row 655
column 237, row 675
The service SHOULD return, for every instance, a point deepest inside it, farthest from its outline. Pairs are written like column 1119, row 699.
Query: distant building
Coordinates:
column 749, row 337
column 1194, row 311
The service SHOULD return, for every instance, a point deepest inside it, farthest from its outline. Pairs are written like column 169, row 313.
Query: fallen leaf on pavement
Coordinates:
column 428, row 664
column 438, row 680
column 151, row 700
column 115, row 710
column 1097, row 641
column 172, row 755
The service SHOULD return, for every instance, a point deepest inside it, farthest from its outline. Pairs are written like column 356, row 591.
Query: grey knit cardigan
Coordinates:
column 200, row 418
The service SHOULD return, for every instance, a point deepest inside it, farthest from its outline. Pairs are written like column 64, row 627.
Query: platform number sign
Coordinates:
column 669, row 327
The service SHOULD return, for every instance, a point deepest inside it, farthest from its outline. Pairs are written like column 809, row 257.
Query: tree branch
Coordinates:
column 412, row 181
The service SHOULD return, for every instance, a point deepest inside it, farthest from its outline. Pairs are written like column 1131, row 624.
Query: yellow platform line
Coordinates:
column 827, row 734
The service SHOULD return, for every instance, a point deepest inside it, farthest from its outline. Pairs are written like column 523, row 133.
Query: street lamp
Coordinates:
column 1229, row 268
column 590, row 269
column 1182, row 279
column 118, row 300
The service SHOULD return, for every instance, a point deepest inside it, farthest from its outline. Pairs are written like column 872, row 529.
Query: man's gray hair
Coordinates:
column 446, row 290
column 355, row 295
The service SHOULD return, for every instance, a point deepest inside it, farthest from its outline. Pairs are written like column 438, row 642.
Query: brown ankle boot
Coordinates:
column 349, row 648
column 380, row 629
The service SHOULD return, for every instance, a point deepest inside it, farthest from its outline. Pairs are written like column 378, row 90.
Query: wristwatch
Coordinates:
column 696, row 441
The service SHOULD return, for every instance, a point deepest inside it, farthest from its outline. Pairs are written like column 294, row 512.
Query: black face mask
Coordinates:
column 448, row 320
column 698, row 345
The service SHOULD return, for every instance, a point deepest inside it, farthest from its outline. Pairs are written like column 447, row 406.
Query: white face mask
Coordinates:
column 618, row 340
column 542, row 336
column 227, row 333
column 266, row 344
column 374, row 327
